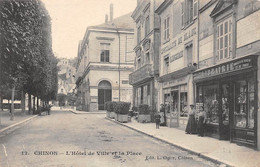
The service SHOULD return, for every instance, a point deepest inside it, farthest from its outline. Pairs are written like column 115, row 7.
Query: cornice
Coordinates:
column 163, row 6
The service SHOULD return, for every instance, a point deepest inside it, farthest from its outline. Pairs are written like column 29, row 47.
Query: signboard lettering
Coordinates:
column 224, row 68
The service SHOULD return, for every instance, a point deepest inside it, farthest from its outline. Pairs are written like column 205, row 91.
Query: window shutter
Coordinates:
column 195, row 9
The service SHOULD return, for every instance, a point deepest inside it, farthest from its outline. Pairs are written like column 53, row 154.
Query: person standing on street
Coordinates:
column 201, row 122
column 191, row 127
column 157, row 120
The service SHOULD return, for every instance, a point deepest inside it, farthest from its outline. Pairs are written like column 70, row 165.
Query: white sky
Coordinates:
column 70, row 19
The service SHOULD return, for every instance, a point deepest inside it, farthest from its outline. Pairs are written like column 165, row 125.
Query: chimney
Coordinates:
column 106, row 18
column 111, row 12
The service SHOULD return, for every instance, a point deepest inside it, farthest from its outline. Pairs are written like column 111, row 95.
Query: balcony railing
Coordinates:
column 141, row 74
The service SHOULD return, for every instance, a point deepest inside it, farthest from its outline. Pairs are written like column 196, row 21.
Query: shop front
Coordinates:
column 228, row 93
column 177, row 94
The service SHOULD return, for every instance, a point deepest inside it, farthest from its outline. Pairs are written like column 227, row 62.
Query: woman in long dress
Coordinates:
column 191, row 127
column 201, row 122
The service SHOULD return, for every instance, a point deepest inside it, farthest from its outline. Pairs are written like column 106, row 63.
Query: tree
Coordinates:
column 27, row 60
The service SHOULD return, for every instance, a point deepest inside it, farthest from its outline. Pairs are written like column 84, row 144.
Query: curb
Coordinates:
column 82, row 112
column 18, row 123
column 175, row 145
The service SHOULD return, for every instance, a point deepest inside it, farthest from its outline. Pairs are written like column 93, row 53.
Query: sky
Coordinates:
column 70, row 19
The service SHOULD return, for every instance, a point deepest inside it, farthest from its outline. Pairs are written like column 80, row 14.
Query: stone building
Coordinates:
column 105, row 60
column 209, row 56
column 147, row 41
column 178, row 56
column 226, row 82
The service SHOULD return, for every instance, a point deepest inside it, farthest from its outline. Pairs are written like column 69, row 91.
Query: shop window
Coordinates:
column 105, row 52
column 183, row 104
column 210, row 101
column 148, row 94
column 244, row 104
column 224, row 39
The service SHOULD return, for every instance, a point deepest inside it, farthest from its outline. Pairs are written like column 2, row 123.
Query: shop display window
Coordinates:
column 208, row 95
column 244, row 104
column 183, row 104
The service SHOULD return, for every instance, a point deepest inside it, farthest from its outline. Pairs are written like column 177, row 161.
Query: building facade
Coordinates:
column 105, row 60
column 178, row 56
column 227, row 80
column 147, row 41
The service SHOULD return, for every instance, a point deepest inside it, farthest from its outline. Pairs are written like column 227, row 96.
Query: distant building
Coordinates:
column 105, row 60
column 66, row 74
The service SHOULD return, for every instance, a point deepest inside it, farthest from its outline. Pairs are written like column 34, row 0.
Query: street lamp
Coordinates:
column 119, row 63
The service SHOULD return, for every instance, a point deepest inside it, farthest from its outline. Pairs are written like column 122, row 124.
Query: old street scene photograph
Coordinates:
column 129, row 83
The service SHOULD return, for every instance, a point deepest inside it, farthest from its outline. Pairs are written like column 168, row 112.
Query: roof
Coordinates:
column 124, row 22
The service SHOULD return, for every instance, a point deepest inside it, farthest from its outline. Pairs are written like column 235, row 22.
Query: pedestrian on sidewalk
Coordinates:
column 162, row 110
column 201, row 122
column 157, row 120
column 191, row 127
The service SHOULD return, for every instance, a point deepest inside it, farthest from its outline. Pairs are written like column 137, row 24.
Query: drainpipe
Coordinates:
column 119, row 63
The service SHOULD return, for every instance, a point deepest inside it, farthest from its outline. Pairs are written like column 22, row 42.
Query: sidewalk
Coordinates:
column 19, row 118
column 84, row 112
column 210, row 148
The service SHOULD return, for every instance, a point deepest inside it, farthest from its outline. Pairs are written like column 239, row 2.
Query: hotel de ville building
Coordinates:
column 105, row 60
column 201, row 52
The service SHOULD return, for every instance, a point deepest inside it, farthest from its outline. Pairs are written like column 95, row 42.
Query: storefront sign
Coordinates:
column 175, row 82
column 176, row 56
column 190, row 34
column 179, row 40
column 225, row 68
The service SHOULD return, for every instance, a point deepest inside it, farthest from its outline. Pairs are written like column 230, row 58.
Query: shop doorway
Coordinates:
column 226, row 96
column 175, row 101
column 104, row 94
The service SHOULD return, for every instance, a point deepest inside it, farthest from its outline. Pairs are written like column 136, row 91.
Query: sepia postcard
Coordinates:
column 131, row 83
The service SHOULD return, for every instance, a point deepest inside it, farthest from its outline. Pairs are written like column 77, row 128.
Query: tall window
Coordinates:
column 189, row 11
column 166, row 64
column 224, row 39
column 147, row 25
column 147, row 58
column 166, row 28
column 189, row 55
column 105, row 51
column 244, row 104
column 139, row 35
column 138, row 63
